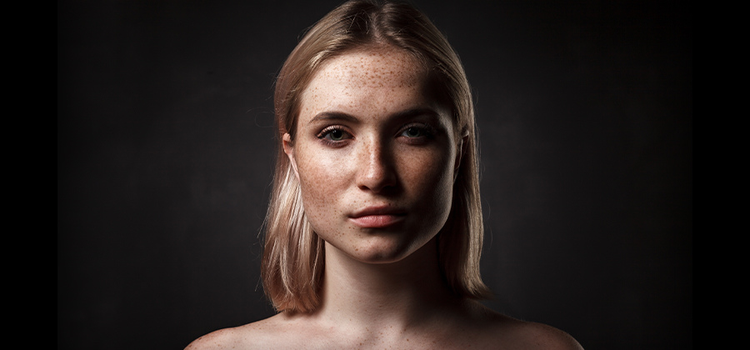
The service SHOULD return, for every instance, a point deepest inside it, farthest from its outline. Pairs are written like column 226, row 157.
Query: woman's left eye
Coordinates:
column 416, row 131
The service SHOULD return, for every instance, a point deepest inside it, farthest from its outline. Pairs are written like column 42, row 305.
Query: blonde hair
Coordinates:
column 293, row 258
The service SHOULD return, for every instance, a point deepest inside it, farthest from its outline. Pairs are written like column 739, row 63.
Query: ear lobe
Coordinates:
column 288, row 145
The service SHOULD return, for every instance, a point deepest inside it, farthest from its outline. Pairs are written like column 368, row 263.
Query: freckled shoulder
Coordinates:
column 256, row 335
column 536, row 336
column 498, row 331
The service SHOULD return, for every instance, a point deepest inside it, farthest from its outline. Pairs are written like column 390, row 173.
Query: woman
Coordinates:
column 374, row 229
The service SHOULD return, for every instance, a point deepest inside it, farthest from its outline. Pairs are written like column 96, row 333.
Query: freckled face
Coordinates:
column 375, row 156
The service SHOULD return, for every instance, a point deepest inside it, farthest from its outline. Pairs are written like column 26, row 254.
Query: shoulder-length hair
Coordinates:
column 293, row 258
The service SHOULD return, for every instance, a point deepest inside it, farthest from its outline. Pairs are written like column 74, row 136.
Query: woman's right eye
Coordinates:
column 334, row 134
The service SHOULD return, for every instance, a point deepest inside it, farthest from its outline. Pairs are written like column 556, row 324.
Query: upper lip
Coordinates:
column 377, row 210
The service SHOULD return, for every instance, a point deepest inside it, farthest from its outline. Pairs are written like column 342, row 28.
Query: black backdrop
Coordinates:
column 165, row 153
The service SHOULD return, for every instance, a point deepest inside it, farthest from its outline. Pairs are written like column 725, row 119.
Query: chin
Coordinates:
column 384, row 251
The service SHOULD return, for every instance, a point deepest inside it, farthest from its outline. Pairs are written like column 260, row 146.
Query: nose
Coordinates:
column 377, row 171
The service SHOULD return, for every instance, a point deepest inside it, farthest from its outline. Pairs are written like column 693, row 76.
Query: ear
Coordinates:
column 288, row 145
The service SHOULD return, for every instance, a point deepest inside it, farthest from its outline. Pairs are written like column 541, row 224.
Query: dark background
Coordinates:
column 165, row 153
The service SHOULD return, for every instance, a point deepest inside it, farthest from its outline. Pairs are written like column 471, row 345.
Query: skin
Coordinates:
column 376, row 160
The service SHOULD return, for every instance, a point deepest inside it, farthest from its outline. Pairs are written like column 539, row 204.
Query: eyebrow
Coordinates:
column 327, row 116
column 406, row 114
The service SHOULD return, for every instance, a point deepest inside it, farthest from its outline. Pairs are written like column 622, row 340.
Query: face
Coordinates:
column 374, row 154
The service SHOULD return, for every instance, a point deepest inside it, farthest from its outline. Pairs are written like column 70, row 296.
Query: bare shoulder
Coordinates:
column 517, row 334
column 221, row 339
column 541, row 336
column 256, row 335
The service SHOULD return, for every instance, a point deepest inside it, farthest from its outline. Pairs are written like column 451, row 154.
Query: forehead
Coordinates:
column 366, row 80
column 375, row 67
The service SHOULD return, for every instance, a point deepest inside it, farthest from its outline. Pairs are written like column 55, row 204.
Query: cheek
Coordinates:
column 320, row 182
column 429, row 178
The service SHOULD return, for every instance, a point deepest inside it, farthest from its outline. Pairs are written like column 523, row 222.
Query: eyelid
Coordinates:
column 328, row 129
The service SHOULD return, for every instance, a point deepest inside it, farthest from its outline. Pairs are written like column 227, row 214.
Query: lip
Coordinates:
column 377, row 216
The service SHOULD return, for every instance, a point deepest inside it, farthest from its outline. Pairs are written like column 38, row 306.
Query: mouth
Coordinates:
column 377, row 217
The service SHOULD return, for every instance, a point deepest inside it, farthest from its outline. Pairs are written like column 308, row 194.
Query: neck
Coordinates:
column 399, row 293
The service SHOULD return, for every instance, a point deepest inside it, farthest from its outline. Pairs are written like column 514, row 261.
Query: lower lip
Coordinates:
column 377, row 221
